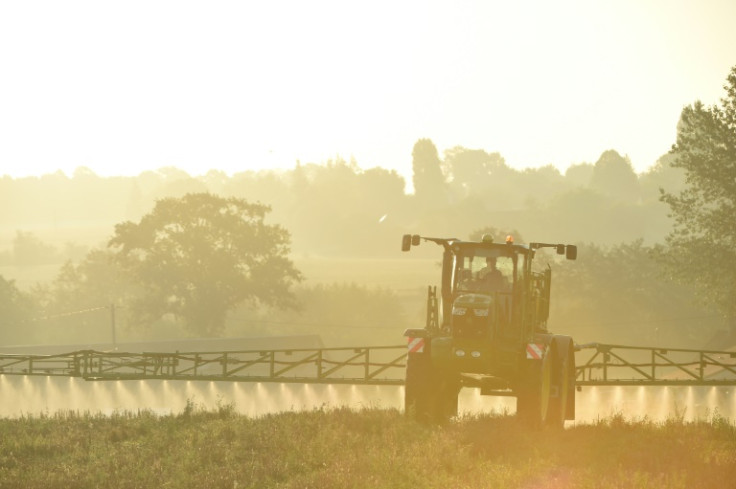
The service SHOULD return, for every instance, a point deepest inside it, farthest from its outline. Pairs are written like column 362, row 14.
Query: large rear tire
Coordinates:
column 533, row 399
column 429, row 396
column 562, row 401
column 447, row 398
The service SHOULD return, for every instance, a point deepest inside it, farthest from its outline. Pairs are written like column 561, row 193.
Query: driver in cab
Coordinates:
column 490, row 277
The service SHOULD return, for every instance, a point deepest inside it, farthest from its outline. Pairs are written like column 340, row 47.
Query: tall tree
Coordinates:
column 198, row 256
column 429, row 182
column 702, row 244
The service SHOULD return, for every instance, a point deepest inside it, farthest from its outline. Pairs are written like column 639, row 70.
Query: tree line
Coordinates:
column 338, row 208
column 668, row 233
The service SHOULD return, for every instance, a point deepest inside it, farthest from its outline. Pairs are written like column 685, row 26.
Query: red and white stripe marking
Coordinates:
column 416, row 345
column 535, row 351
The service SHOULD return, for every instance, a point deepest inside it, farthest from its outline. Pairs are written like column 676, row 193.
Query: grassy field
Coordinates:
column 373, row 448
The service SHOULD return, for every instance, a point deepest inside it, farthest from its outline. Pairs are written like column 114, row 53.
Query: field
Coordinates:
column 371, row 448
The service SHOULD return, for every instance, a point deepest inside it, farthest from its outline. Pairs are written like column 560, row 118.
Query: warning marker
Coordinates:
column 535, row 351
column 416, row 345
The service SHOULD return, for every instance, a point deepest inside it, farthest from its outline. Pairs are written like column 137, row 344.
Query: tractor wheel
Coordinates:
column 419, row 388
column 448, row 391
column 533, row 400
column 560, row 394
column 429, row 396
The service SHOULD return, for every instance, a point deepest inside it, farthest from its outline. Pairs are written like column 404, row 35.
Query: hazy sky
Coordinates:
column 122, row 87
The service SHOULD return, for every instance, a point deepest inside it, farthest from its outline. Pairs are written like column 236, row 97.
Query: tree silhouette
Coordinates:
column 198, row 256
column 702, row 245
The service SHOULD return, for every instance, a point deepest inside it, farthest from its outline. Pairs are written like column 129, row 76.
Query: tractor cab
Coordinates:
column 493, row 280
column 486, row 269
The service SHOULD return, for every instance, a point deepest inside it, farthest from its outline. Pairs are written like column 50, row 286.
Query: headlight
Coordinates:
column 481, row 312
column 459, row 311
column 460, row 353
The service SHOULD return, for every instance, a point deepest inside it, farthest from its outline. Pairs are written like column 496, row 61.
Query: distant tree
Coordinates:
column 429, row 182
column 662, row 175
column 618, row 294
column 702, row 245
column 198, row 256
column 96, row 281
column 75, row 306
column 15, row 311
column 324, row 210
column 579, row 175
column 337, row 208
column 266, row 186
column 134, row 208
column 539, row 184
column 216, row 181
column 180, row 187
column 580, row 214
column 29, row 250
column 614, row 176
column 471, row 171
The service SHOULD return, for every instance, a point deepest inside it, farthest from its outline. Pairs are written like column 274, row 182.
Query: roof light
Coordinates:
column 509, row 239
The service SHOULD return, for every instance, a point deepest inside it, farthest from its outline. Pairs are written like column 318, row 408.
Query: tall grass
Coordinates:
column 372, row 448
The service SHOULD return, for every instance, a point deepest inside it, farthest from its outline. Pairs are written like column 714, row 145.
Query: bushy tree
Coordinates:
column 29, row 250
column 702, row 245
column 619, row 294
column 15, row 313
column 198, row 256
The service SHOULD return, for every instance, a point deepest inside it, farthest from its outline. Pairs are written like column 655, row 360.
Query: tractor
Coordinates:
column 487, row 329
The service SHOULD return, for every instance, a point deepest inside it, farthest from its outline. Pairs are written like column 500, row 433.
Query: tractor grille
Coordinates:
column 470, row 323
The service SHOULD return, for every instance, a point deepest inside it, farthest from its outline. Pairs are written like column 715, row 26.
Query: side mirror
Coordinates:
column 406, row 242
column 572, row 252
column 415, row 240
column 560, row 249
